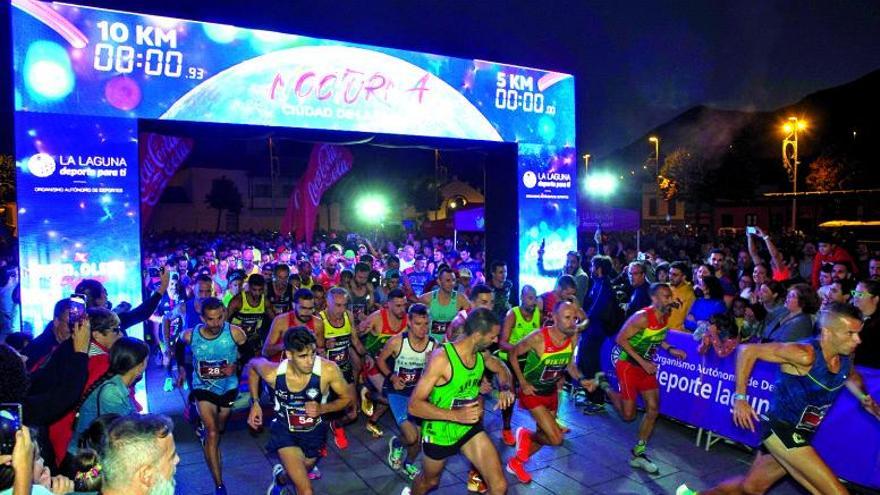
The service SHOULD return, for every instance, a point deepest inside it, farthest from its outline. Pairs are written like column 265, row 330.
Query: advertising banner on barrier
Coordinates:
column 699, row 391
column 327, row 164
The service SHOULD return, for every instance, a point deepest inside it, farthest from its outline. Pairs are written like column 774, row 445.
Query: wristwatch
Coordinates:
column 740, row 397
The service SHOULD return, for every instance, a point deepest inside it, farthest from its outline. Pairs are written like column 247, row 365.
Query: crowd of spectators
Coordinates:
column 75, row 380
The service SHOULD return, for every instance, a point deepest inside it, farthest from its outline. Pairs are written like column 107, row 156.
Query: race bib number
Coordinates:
column 650, row 352
column 298, row 420
column 552, row 373
column 213, row 370
column 460, row 403
column 409, row 375
column 812, row 417
column 339, row 355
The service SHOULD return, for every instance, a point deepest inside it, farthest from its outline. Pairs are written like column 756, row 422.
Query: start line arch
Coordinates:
column 84, row 77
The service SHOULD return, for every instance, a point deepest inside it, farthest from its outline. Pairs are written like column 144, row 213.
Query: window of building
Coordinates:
column 726, row 220
column 751, row 219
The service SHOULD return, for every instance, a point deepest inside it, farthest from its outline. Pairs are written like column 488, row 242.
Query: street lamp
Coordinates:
column 656, row 141
column 790, row 159
column 586, row 164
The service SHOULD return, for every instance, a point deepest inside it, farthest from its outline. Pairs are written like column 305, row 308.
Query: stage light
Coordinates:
column 601, row 184
column 48, row 75
column 372, row 208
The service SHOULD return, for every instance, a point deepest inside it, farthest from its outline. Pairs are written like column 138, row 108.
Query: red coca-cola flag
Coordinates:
column 160, row 158
column 327, row 164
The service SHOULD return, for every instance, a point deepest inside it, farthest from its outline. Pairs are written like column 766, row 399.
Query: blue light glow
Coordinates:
column 48, row 75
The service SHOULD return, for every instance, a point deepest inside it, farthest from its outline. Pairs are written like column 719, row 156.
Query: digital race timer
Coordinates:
column 517, row 92
column 149, row 55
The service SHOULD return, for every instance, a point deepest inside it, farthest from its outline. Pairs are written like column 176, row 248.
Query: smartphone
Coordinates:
column 10, row 423
column 153, row 272
column 77, row 308
column 750, row 230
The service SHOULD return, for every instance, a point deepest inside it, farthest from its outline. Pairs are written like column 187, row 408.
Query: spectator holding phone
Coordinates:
column 722, row 335
column 96, row 297
column 23, row 472
column 57, row 331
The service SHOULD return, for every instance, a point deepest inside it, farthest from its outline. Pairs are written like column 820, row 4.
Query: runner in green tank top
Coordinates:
column 443, row 304
column 641, row 336
column 519, row 322
column 447, row 399
column 540, row 361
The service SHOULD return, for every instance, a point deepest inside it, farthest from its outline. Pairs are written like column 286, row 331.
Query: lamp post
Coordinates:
column 586, row 164
column 656, row 141
column 790, row 159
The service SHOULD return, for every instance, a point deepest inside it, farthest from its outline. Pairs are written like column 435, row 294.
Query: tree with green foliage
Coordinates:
column 224, row 195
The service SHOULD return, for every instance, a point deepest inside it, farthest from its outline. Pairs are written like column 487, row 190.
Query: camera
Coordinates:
column 77, row 311
column 10, row 423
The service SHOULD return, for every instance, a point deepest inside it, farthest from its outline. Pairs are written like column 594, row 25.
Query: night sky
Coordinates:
column 637, row 64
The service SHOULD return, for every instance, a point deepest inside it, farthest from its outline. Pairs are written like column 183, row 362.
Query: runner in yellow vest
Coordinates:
column 335, row 338
column 519, row 322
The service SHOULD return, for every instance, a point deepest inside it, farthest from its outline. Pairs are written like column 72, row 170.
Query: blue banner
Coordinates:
column 699, row 391
column 78, row 207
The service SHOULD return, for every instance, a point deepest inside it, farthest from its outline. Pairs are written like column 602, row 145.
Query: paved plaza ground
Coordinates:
column 593, row 459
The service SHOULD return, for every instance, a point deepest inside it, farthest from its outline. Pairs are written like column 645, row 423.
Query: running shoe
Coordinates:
column 602, row 381
column 220, row 490
column 591, row 408
column 315, row 473
column 641, row 461
column 475, row 482
column 339, row 437
column 375, row 429
column 411, row 470
column 523, row 443
column 395, row 453
column 168, row 386
column 366, row 403
column 406, row 491
column 507, row 437
column 684, row 490
column 517, row 468
column 279, row 481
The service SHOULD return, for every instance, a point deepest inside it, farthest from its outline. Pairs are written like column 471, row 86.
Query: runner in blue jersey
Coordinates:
column 812, row 374
column 214, row 344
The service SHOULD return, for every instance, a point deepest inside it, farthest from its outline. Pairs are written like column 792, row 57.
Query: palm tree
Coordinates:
column 224, row 195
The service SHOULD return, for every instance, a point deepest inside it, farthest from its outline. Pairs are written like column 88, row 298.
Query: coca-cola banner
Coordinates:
column 327, row 164
column 160, row 157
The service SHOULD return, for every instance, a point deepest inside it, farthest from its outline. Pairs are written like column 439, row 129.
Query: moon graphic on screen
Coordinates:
column 284, row 88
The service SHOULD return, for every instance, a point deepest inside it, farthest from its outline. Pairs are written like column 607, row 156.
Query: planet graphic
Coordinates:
column 41, row 165
column 324, row 87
